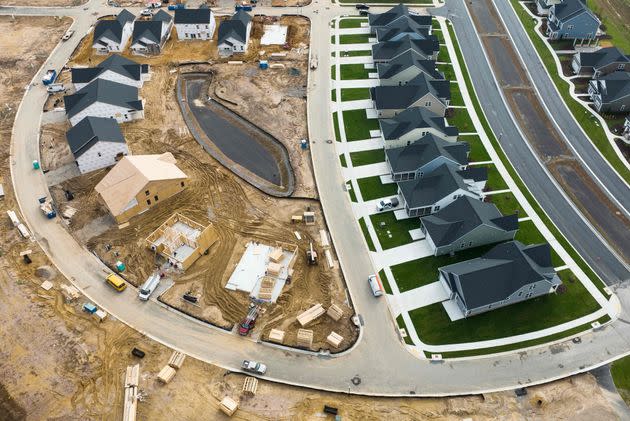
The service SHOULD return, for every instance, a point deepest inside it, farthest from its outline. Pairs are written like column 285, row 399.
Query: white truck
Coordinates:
column 149, row 286
column 55, row 87
column 254, row 367
column 386, row 204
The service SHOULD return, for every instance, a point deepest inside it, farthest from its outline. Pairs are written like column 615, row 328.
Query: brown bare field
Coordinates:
column 42, row 3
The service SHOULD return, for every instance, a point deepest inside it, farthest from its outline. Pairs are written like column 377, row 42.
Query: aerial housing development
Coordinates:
column 302, row 210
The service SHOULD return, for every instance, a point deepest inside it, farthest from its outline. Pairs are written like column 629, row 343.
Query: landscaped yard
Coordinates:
column 478, row 152
column 357, row 125
column 354, row 39
column 333, row 72
column 368, row 157
column 461, row 119
column 351, row 23
column 443, row 56
column 447, row 70
column 456, row 95
column 354, row 72
column 353, row 195
column 342, row 159
column 495, row 181
column 366, row 234
column 355, row 53
column 434, row 326
column 336, row 127
column 391, row 232
column 333, row 95
column 620, row 371
column 506, row 203
column 354, row 94
column 385, row 281
column 372, row 188
column 528, row 234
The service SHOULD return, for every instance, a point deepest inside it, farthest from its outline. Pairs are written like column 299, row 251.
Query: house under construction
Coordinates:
column 181, row 240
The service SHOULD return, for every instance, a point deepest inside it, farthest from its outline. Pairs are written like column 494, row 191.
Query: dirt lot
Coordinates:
column 42, row 3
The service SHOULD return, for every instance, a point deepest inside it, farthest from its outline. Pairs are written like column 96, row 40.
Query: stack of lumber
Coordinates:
column 335, row 312
column 176, row 360
column 276, row 255
column 334, row 339
column 274, row 268
column 130, row 405
column 266, row 288
column 250, row 386
column 228, row 406
column 304, row 338
column 166, row 374
column 310, row 315
column 276, row 335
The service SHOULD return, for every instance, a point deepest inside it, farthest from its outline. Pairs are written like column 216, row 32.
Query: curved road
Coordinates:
column 379, row 359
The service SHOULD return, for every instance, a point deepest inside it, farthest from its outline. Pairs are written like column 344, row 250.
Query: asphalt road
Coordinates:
column 378, row 361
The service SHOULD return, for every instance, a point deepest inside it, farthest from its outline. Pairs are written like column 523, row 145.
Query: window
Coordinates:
column 155, row 198
column 621, row 66
column 520, row 293
column 437, row 208
column 569, row 27
column 181, row 184
column 146, row 192
column 149, row 202
column 99, row 154
column 408, row 143
column 454, row 197
column 427, row 104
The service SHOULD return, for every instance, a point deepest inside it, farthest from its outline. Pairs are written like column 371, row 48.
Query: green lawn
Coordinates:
column 351, row 23
column 620, row 371
column 461, row 119
column 614, row 17
column 435, row 328
column 495, row 181
column 332, row 39
column 456, row 95
column 353, row 195
column 444, row 57
column 354, row 94
column 507, row 204
column 386, row 225
column 366, row 234
column 478, row 152
column 420, row 272
column 342, row 158
column 354, row 39
column 584, row 117
column 354, row 72
column 436, row 25
column 401, row 324
column 447, row 71
column 368, row 157
column 333, row 95
column 372, row 188
column 554, row 230
column 425, row 2
column 385, row 281
column 357, row 125
column 528, row 234
column 336, row 126
column 439, row 36
column 333, row 72
column 355, row 53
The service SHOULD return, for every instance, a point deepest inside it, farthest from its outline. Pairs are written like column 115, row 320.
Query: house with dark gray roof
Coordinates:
column 96, row 143
column 395, row 14
column 507, row 274
column 234, row 34
column 626, row 128
column 113, row 35
column 406, row 67
column 467, row 223
column 600, row 63
column 412, row 124
column 401, row 28
column 426, row 49
column 572, row 19
column 149, row 36
column 194, row 24
column 543, row 6
column 425, row 155
column 115, row 68
column 104, row 98
column 441, row 187
column 611, row 93
column 421, row 91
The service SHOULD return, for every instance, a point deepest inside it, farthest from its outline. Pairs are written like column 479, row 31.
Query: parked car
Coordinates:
column 362, row 6
column 176, row 6
column 375, row 285
column 154, row 5
column 387, row 204
column 67, row 35
column 254, row 367
column 55, row 87
column 146, row 12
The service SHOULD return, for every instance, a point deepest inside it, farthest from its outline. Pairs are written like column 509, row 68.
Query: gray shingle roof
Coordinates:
column 235, row 27
column 414, row 118
column 614, row 86
column 603, row 57
column 403, row 62
column 570, row 8
column 424, row 150
column 112, row 29
column 91, row 130
column 105, row 91
column 430, row 189
column 193, row 16
column 394, row 13
column 391, row 49
column 401, row 97
column 403, row 25
column 499, row 273
column 116, row 63
column 151, row 29
column 462, row 216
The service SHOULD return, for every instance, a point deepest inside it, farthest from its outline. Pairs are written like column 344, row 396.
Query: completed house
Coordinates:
column 626, row 128
column 113, row 35
column 543, row 6
column 509, row 273
column 571, row 19
column 600, row 63
column 412, row 124
column 611, row 93
column 406, row 67
column 149, row 36
column 194, row 23
column 96, row 143
column 138, row 183
column 104, row 98
column 467, row 223
column 426, row 49
column 402, row 28
column 441, row 187
column 115, row 68
column 395, row 14
column 425, row 155
column 234, row 34
column 421, row 91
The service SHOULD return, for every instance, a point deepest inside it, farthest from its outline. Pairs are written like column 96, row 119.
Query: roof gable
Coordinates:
column 90, row 131
column 235, row 27
column 193, row 16
column 101, row 90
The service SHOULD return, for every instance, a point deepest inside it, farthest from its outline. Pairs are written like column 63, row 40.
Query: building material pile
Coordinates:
column 176, row 360
column 334, row 339
column 276, row 335
column 266, row 288
column 228, row 406
column 310, row 315
column 276, row 255
column 304, row 338
column 130, row 404
column 166, row 374
column 335, row 312
column 250, row 386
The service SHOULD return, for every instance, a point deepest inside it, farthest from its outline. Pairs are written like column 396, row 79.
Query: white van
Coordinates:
column 55, row 87
column 375, row 284
column 149, row 286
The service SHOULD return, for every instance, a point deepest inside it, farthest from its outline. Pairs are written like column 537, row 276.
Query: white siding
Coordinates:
column 101, row 155
column 415, row 135
column 200, row 31
column 114, row 77
column 100, row 109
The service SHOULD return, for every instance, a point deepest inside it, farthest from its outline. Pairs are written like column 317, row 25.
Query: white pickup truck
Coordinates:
column 254, row 367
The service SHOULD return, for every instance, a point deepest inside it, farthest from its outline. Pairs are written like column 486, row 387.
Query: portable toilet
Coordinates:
column 264, row 64
column 89, row 308
column 120, row 266
column 304, row 144
column 35, row 165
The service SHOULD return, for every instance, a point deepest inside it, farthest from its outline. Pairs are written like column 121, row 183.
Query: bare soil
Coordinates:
column 43, row 3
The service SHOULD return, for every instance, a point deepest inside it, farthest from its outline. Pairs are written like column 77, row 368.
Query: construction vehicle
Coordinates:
column 311, row 255
column 254, row 367
column 248, row 322
column 45, row 204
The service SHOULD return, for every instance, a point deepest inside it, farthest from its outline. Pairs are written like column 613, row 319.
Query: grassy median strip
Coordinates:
column 354, row 39
column 354, row 72
column 534, row 204
column 371, row 156
column 355, row 53
column 342, row 158
column 383, row 277
column 353, row 195
column 333, row 72
column 355, row 94
column 372, row 188
column 357, row 125
column 583, row 117
column 336, row 127
column 401, row 325
column 366, row 234
column 351, row 23
column 333, row 95
column 392, row 232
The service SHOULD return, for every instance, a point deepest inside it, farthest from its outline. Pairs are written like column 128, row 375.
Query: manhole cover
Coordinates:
column 356, row 380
